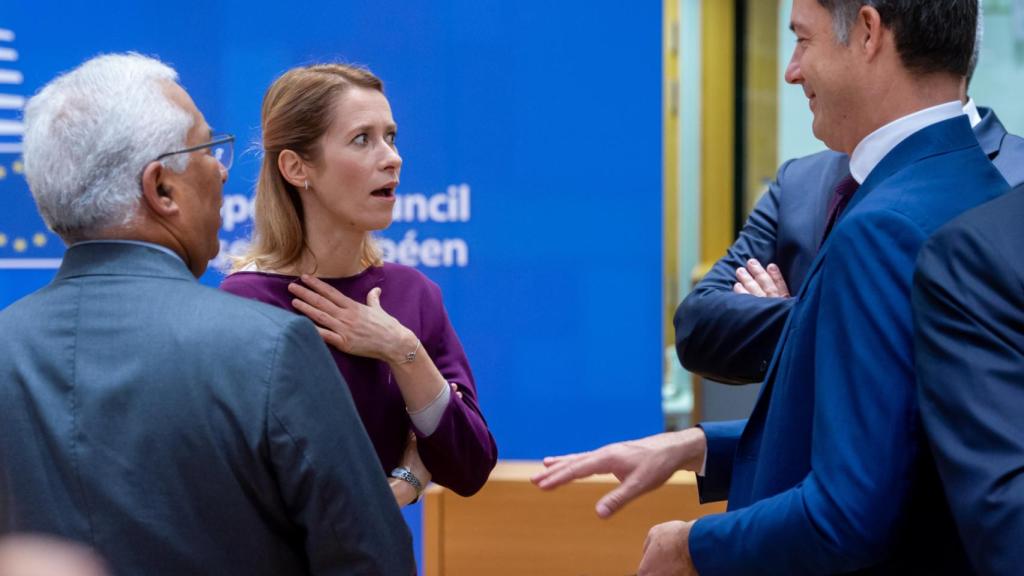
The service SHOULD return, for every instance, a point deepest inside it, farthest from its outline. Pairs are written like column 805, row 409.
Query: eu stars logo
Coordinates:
column 24, row 240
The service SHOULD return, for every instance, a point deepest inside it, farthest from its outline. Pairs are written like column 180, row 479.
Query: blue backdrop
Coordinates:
column 537, row 122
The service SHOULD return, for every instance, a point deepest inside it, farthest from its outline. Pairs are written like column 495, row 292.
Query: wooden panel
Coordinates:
column 513, row 528
column 432, row 529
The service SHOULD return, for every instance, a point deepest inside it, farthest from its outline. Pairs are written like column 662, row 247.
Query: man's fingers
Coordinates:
column 641, row 480
column 739, row 289
column 748, row 282
column 623, row 494
column 780, row 282
column 648, row 560
column 550, row 466
column 761, row 276
column 557, row 473
column 552, row 460
column 569, row 470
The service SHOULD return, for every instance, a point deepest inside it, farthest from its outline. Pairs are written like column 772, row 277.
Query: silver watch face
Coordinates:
column 403, row 473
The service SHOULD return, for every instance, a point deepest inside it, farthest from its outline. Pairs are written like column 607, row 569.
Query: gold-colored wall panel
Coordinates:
column 718, row 121
column 761, row 99
column 670, row 169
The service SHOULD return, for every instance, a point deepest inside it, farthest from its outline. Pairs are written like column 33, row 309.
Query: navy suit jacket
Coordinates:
column 828, row 475
column 969, row 315
column 178, row 429
column 730, row 337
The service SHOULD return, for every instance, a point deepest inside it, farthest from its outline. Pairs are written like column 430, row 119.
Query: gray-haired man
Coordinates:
column 174, row 428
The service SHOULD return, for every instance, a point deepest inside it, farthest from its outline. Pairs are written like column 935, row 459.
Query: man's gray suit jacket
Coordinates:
column 179, row 430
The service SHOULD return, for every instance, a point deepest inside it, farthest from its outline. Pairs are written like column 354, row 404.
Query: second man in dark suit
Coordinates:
column 969, row 346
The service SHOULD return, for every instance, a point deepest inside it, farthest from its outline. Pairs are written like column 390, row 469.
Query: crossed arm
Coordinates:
column 721, row 332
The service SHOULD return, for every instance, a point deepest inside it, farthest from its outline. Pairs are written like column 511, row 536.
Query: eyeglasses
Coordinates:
column 221, row 147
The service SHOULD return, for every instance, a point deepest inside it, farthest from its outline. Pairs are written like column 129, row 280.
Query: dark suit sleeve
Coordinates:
column 842, row 516
column 329, row 476
column 969, row 313
column 730, row 337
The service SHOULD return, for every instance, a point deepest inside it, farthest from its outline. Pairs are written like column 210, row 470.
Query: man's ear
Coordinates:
column 157, row 192
column 293, row 168
column 867, row 31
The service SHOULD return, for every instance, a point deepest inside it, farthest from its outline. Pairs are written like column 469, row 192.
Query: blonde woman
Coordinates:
column 328, row 180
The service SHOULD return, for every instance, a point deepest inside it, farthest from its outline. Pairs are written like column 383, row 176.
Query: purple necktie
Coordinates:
column 840, row 198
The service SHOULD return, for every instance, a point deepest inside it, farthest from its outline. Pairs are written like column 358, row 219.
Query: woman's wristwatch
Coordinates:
column 403, row 473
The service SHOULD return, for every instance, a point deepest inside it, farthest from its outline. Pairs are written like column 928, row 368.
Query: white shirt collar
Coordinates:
column 879, row 143
column 136, row 242
column 971, row 109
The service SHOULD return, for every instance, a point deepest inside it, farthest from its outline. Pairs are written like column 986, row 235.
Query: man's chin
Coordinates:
column 822, row 134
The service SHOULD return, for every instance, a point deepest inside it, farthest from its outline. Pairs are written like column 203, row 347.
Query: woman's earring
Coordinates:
column 306, row 183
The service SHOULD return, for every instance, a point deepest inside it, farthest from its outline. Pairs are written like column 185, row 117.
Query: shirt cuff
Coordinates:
column 427, row 419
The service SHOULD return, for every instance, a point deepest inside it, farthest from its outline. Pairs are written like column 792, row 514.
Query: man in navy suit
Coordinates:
column 829, row 475
column 969, row 346
column 725, row 334
column 173, row 428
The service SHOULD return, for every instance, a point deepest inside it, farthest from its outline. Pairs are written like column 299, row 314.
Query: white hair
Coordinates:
column 89, row 134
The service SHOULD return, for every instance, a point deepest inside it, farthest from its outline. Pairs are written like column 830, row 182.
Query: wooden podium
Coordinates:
column 513, row 528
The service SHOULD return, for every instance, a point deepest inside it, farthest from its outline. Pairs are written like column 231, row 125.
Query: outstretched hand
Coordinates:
column 640, row 465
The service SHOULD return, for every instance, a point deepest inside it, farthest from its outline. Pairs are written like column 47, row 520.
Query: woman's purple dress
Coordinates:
column 461, row 452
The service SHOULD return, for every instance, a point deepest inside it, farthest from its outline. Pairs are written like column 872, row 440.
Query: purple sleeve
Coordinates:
column 461, row 452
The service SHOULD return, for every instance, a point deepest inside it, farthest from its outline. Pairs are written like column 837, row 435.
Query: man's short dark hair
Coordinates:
column 931, row 35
